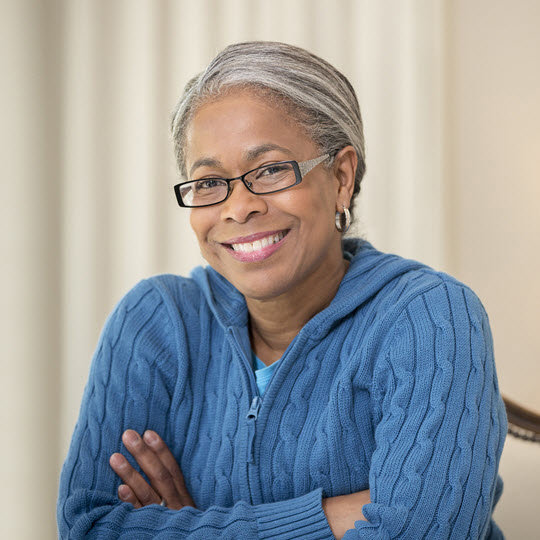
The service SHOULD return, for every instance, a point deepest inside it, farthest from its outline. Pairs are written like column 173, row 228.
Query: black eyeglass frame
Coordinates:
column 300, row 170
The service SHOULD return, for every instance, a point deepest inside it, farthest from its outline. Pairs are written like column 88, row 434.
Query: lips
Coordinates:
column 255, row 247
column 253, row 237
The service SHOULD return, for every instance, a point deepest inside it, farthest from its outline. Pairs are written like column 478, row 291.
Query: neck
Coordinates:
column 274, row 323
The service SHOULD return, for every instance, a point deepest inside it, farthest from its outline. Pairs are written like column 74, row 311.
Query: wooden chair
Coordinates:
column 523, row 423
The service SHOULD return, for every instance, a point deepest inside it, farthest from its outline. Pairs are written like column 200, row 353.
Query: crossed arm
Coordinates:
column 166, row 482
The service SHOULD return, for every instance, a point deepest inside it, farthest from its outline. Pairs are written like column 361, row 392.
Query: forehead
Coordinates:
column 239, row 121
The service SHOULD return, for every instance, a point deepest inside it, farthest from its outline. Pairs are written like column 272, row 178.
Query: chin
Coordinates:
column 258, row 283
column 264, row 287
column 260, row 294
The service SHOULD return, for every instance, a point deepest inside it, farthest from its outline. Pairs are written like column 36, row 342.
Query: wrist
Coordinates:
column 330, row 510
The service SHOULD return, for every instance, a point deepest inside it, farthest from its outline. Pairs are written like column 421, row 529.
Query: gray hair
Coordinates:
column 314, row 92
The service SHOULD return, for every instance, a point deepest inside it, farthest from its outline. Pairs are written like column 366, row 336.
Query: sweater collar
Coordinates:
column 369, row 271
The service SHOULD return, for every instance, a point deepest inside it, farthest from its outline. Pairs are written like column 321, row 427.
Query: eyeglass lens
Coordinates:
column 267, row 179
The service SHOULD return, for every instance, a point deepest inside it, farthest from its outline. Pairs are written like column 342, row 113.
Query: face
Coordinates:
column 289, row 238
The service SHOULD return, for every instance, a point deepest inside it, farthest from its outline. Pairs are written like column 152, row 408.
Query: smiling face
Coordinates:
column 265, row 245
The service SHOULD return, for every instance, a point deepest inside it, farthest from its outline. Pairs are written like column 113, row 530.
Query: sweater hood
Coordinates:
column 369, row 271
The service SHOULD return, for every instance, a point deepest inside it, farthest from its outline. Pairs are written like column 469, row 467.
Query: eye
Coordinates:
column 273, row 169
column 208, row 183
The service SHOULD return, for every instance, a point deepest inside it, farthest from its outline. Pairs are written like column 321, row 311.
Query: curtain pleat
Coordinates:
column 30, row 226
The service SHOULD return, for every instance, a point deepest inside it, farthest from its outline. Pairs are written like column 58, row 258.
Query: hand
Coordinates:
column 159, row 465
column 342, row 511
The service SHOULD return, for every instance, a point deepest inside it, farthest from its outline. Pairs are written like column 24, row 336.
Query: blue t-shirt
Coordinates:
column 263, row 373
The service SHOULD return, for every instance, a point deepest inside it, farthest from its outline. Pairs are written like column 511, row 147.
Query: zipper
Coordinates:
column 248, row 368
column 251, row 419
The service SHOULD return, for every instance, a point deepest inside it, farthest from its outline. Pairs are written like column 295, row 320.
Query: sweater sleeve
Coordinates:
column 440, row 423
column 136, row 374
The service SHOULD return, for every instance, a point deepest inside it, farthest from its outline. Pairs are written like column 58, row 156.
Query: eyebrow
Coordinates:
column 249, row 155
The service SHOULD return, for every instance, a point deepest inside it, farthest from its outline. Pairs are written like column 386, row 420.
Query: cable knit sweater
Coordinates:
column 392, row 387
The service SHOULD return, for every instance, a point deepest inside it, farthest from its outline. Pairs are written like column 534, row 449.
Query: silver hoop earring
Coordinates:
column 343, row 228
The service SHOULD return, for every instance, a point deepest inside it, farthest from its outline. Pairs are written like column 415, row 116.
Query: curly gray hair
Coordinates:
column 314, row 92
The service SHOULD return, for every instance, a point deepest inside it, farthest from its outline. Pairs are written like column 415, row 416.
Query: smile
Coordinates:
column 258, row 248
column 248, row 247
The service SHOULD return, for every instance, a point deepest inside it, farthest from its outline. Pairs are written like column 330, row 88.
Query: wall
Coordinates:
column 493, row 164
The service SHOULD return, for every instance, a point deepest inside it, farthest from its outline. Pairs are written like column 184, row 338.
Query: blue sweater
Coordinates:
column 392, row 387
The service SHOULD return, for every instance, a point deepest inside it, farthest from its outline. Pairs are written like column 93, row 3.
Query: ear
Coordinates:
column 344, row 169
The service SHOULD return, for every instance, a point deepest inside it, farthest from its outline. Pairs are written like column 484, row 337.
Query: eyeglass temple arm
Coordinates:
column 306, row 166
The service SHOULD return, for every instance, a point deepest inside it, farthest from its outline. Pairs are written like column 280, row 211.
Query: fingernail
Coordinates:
column 150, row 437
column 131, row 437
column 116, row 460
column 123, row 491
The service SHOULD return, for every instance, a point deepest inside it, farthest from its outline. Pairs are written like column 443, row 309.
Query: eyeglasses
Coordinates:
column 269, row 178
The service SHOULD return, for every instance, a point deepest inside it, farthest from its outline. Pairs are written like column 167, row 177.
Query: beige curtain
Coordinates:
column 87, row 201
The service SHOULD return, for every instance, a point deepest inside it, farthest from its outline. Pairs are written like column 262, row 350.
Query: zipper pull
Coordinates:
column 251, row 418
column 254, row 409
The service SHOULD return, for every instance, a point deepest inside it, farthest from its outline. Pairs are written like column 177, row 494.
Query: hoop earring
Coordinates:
column 343, row 228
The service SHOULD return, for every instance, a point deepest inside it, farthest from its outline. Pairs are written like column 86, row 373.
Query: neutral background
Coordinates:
column 450, row 93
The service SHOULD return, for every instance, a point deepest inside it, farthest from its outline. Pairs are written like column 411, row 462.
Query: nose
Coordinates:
column 241, row 204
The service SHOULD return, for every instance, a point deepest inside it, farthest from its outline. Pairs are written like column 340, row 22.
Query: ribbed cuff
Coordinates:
column 301, row 517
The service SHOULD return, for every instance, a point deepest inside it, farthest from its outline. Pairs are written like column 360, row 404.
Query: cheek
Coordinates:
column 322, row 209
column 200, row 224
column 318, row 196
column 316, row 206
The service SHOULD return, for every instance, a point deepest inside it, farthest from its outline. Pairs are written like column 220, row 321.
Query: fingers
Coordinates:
column 160, row 467
column 159, row 476
column 155, row 442
column 166, row 481
column 126, row 494
column 143, row 494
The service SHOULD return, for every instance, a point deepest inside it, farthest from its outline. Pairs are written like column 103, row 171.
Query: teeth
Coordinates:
column 248, row 247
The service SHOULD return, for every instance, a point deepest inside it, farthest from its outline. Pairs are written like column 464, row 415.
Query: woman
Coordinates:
column 302, row 385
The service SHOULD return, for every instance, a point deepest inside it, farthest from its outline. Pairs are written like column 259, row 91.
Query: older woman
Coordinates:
column 302, row 385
